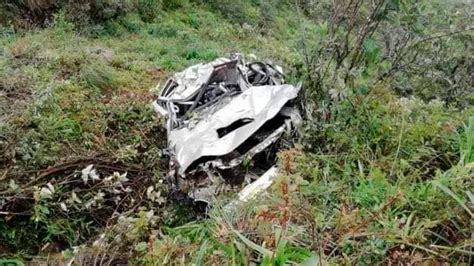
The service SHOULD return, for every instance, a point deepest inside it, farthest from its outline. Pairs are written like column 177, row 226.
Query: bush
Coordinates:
column 83, row 13
column 4, row 15
column 149, row 9
column 90, row 12
column 239, row 12
column 22, row 13
column 99, row 76
column 174, row 4
column 358, row 45
column 267, row 15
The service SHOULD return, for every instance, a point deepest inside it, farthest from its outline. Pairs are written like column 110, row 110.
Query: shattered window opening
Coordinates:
column 223, row 131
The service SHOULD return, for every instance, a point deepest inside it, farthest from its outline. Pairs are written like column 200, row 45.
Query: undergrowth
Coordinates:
column 383, row 174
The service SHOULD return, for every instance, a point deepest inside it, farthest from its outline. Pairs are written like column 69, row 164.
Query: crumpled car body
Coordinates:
column 225, row 121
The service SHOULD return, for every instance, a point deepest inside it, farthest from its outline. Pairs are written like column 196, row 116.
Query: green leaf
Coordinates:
column 67, row 254
column 280, row 258
column 199, row 260
column 44, row 209
column 313, row 260
column 140, row 247
column 453, row 195
column 386, row 66
column 394, row 4
column 467, row 142
column 252, row 245
column 12, row 262
column 371, row 51
column 362, row 90
column 370, row 45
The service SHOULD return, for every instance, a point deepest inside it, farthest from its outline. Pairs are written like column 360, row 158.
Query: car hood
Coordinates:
column 204, row 137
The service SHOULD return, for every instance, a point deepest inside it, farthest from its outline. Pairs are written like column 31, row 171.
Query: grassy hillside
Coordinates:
column 383, row 174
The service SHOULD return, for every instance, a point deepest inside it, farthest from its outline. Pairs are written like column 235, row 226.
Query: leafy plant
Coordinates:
column 149, row 9
column 100, row 77
column 467, row 142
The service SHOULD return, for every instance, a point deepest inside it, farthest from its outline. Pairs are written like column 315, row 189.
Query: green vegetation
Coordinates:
column 383, row 174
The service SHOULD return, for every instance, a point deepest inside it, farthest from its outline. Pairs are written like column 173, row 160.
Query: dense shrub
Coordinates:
column 82, row 13
column 149, row 9
column 239, row 12
column 90, row 12
column 174, row 4
column 267, row 16
column 99, row 76
column 423, row 49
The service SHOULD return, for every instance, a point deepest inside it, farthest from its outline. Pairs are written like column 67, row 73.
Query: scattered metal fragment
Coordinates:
column 262, row 183
column 225, row 122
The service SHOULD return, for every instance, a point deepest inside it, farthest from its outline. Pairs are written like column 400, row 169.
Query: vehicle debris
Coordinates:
column 225, row 121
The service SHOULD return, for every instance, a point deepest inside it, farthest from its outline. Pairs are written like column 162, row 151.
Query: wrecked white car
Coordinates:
column 225, row 121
